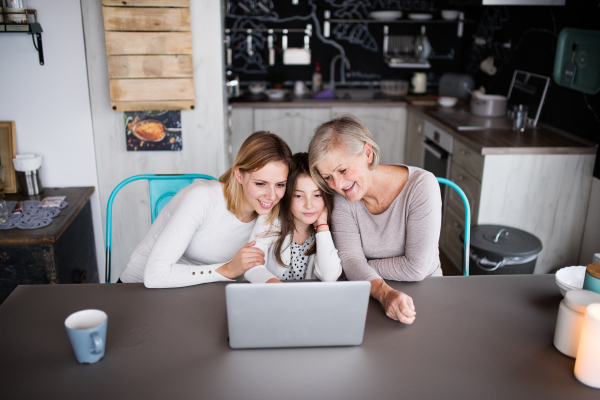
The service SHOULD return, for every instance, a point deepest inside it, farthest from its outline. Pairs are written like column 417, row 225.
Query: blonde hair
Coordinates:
column 258, row 150
column 343, row 132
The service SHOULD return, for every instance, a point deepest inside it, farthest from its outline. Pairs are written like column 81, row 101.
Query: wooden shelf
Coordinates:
column 398, row 21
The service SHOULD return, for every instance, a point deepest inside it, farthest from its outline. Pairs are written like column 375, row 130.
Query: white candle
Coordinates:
column 587, row 364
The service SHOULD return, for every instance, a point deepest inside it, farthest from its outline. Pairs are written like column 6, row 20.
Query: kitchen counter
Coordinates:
column 310, row 103
column 542, row 140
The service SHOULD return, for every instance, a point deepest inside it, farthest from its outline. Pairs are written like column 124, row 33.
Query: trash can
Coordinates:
column 502, row 250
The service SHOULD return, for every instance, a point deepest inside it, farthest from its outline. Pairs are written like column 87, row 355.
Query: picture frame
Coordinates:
column 8, row 151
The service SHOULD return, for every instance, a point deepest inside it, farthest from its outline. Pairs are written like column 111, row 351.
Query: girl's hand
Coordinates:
column 322, row 219
column 247, row 257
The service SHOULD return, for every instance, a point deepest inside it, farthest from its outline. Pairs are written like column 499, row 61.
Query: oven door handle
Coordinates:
column 436, row 153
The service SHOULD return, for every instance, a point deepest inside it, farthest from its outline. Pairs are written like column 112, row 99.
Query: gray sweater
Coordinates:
column 400, row 244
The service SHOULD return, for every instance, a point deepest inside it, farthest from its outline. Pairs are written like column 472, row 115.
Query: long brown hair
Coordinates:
column 286, row 218
column 258, row 150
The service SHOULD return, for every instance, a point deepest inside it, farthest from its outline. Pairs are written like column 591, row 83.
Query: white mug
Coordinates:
column 419, row 82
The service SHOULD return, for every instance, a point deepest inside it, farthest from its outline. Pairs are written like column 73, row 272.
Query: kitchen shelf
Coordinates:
column 399, row 21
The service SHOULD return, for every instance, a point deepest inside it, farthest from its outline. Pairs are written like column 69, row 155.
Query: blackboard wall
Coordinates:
column 531, row 31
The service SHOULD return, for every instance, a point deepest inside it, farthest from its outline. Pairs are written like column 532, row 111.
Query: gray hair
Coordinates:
column 343, row 132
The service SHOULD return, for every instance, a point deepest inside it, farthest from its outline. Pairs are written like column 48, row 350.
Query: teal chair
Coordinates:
column 162, row 188
column 467, row 243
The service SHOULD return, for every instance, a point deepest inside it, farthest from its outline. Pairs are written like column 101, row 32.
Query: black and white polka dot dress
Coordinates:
column 299, row 261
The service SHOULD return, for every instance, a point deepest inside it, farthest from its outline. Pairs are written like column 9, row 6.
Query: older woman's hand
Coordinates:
column 398, row 306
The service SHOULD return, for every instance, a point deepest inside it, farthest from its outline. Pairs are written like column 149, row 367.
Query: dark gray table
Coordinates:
column 486, row 337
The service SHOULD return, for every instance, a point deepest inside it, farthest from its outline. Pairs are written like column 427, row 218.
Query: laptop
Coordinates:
column 297, row 314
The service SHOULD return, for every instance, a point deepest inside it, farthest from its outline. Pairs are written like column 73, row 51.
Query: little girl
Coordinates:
column 298, row 244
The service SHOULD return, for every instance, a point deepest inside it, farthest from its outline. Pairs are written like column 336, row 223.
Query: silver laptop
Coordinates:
column 297, row 314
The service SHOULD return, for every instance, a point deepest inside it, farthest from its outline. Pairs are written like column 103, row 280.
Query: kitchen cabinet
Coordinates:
column 544, row 194
column 294, row 125
column 388, row 127
column 414, row 139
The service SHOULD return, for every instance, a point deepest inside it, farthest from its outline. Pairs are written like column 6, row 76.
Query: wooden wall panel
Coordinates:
column 178, row 66
column 145, row 43
column 147, row 19
column 146, row 3
column 149, row 53
column 151, row 89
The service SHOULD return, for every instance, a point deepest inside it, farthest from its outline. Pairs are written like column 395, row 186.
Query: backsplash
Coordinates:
column 362, row 43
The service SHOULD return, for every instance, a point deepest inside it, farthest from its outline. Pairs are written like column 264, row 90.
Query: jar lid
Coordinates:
column 578, row 300
column 503, row 241
column 594, row 270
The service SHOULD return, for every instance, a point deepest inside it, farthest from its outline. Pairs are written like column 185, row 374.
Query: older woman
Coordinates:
column 386, row 218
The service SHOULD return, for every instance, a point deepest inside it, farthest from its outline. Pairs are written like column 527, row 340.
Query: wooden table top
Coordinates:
column 542, row 140
column 77, row 197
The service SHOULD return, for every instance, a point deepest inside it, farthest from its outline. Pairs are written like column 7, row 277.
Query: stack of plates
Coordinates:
column 570, row 278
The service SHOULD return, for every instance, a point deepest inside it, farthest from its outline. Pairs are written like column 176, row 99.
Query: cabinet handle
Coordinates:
column 292, row 114
column 461, row 178
column 456, row 224
column 464, row 152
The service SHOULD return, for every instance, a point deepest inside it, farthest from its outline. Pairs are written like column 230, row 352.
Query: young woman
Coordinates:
column 298, row 244
column 201, row 235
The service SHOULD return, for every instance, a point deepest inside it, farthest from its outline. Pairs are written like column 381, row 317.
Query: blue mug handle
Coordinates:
column 98, row 343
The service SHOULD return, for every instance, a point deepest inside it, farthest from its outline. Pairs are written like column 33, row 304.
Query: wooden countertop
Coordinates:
column 542, row 140
column 77, row 197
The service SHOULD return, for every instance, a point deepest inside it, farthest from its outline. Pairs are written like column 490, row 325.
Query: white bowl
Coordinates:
column 450, row 15
column 570, row 278
column 276, row 94
column 447, row 101
column 385, row 15
column 420, row 16
column 257, row 88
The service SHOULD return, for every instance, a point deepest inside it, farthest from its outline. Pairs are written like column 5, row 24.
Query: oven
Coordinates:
column 437, row 154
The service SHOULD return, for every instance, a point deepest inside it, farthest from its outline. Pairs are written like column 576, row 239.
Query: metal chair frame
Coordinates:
column 467, row 243
column 161, row 189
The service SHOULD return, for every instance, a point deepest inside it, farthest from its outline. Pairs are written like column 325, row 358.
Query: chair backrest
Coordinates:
column 161, row 189
column 467, row 243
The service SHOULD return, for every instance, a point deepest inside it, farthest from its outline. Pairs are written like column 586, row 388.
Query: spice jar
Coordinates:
column 570, row 320
column 592, row 278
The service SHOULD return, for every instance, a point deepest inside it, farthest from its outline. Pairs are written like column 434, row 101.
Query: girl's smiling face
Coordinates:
column 263, row 188
column 307, row 202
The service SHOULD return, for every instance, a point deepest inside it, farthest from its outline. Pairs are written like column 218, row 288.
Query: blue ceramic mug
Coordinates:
column 87, row 332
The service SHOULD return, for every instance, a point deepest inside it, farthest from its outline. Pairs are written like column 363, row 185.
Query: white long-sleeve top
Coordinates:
column 324, row 265
column 193, row 235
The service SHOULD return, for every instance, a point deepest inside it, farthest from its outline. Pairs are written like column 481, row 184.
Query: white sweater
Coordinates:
column 324, row 265
column 193, row 235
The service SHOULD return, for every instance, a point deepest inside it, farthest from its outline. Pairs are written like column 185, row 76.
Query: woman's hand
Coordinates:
column 398, row 306
column 322, row 219
column 247, row 257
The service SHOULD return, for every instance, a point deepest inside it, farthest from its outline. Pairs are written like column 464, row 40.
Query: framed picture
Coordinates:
column 8, row 150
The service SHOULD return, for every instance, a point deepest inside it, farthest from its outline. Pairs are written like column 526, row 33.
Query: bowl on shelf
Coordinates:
column 570, row 278
column 386, row 15
column 449, row 15
column 394, row 87
column 446, row 101
column 420, row 16
column 276, row 94
column 257, row 88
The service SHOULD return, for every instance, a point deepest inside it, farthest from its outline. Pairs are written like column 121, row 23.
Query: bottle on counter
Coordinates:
column 317, row 79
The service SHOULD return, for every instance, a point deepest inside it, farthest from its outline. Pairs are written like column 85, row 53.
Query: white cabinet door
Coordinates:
column 388, row 126
column 240, row 126
column 414, row 140
column 294, row 125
